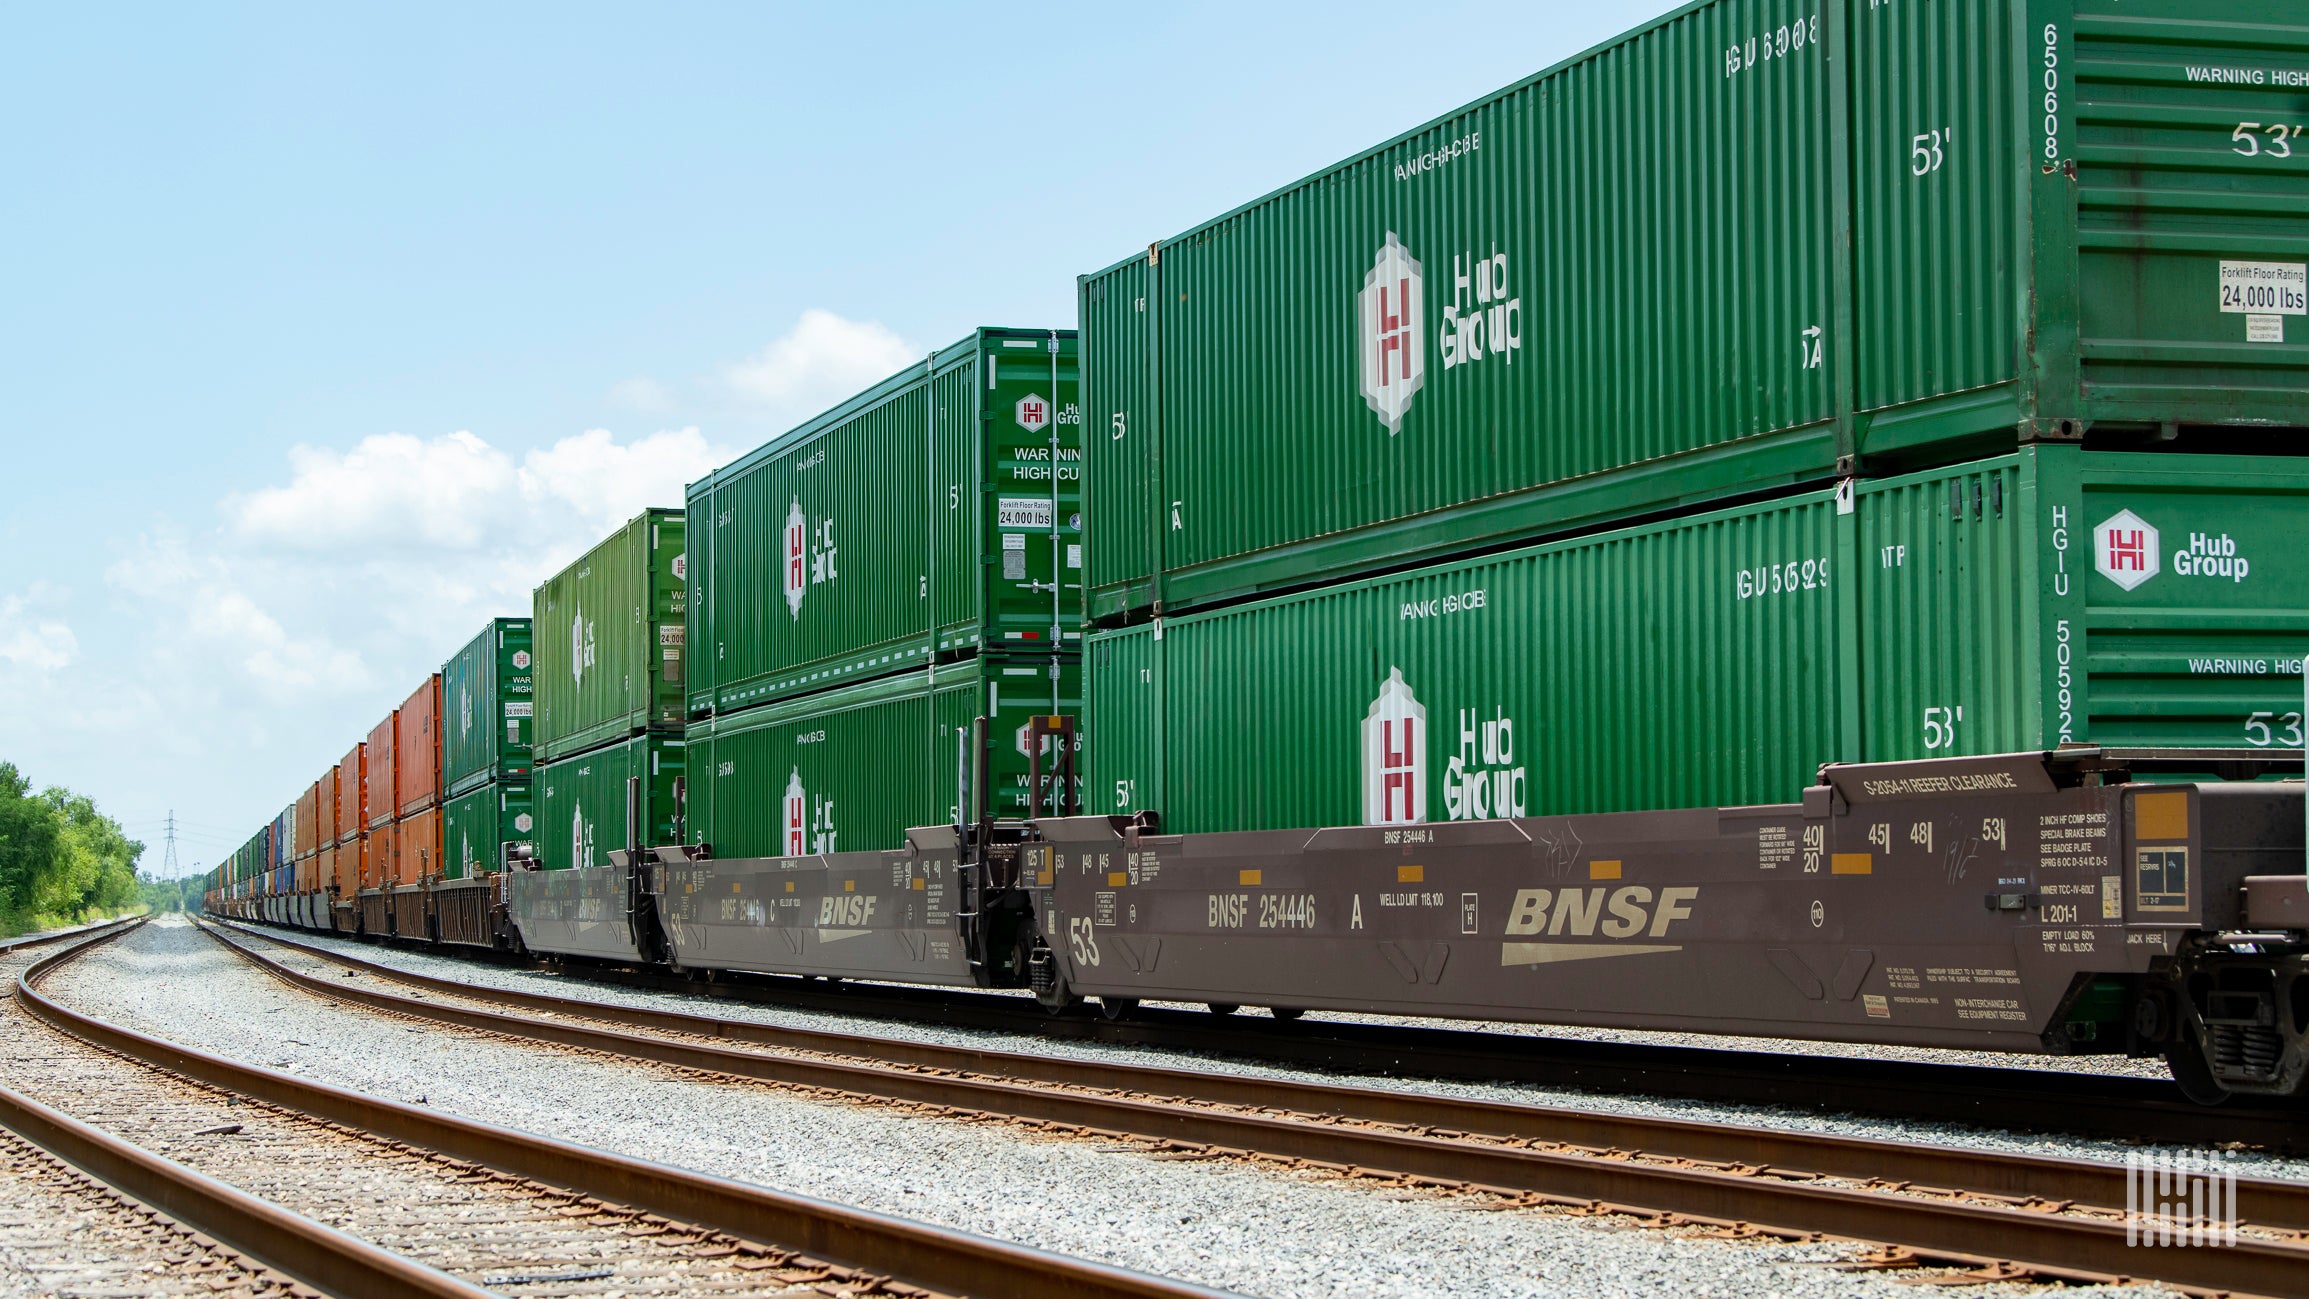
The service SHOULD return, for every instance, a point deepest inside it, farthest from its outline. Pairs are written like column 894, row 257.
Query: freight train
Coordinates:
column 1843, row 589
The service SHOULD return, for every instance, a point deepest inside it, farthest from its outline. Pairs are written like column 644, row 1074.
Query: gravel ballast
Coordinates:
column 1220, row 1223
column 2249, row 1163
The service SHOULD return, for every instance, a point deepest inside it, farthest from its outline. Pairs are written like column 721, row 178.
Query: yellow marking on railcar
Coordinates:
column 1852, row 863
column 1603, row 870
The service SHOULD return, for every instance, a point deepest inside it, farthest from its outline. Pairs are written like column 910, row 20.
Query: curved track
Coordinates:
column 792, row 1240
column 2060, row 1218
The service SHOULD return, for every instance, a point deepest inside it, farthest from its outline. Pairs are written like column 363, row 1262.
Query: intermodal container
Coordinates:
column 477, row 824
column 934, row 514
column 353, row 793
column 283, row 844
column 488, row 704
column 608, row 639
column 307, row 819
column 581, row 805
column 2043, row 597
column 382, row 862
column 379, row 796
column 325, row 868
column 352, row 865
column 419, row 847
column 325, row 828
column 417, row 749
column 853, row 768
column 1706, row 259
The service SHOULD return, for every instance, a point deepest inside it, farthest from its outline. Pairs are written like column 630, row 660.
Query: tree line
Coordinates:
column 61, row 860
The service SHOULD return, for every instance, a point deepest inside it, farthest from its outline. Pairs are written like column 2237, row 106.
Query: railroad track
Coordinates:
column 399, row 1200
column 1992, row 1210
column 2003, row 1099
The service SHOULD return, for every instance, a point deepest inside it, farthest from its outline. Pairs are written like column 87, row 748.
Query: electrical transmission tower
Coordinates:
column 168, row 866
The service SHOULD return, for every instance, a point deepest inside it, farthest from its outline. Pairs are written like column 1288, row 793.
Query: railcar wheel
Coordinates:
column 1222, row 1007
column 2191, row 1070
column 1115, row 1008
column 1286, row 1013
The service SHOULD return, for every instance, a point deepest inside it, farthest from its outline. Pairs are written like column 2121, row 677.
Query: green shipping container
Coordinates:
column 608, row 636
column 853, row 768
column 1749, row 245
column 581, row 801
column 2043, row 597
column 488, row 705
column 934, row 514
column 478, row 823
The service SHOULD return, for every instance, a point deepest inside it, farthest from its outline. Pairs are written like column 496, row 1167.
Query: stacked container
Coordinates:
column 488, row 708
column 1978, row 335
column 608, row 638
column 352, row 835
column 1978, row 226
column 867, row 586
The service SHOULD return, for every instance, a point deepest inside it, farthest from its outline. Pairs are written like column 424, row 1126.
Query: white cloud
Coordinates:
column 595, row 481
column 391, row 490
column 818, row 362
column 30, row 643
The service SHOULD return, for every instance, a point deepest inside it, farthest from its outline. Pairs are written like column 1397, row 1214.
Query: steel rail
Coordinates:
column 2070, row 1243
column 917, row 1254
column 320, row 1256
column 64, row 935
column 2278, row 1204
column 1999, row 1098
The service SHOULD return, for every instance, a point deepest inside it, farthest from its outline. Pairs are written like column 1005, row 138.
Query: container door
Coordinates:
column 2189, row 130
column 1030, row 521
column 1935, row 196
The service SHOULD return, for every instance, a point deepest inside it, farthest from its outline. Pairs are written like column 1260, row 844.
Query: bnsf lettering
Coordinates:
column 1228, row 910
column 852, row 910
column 1582, row 913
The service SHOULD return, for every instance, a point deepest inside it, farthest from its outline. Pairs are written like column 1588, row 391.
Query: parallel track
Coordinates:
column 2003, row 1099
column 795, row 1236
column 2058, row 1217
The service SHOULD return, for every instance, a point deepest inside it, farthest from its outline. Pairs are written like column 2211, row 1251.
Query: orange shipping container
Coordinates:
column 417, row 749
column 325, row 869
column 377, row 868
column 328, row 831
column 379, row 780
column 353, row 796
column 352, row 857
column 304, row 840
column 420, row 846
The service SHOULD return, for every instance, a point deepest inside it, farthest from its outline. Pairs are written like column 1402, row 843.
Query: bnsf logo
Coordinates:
column 852, row 910
column 1583, row 912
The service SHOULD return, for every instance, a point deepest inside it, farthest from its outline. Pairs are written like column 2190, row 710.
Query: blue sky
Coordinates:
column 325, row 333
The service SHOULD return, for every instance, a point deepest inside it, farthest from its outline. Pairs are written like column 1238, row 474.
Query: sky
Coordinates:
column 326, row 332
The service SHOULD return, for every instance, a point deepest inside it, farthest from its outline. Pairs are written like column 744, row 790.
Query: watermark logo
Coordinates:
column 2179, row 1199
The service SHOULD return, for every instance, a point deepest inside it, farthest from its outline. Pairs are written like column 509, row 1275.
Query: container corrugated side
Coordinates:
column 2017, row 603
column 581, row 801
column 379, row 796
column 417, row 748
column 1514, row 322
column 325, row 831
column 853, row 768
column 607, row 639
column 353, row 792
column 478, row 823
column 419, row 847
column 936, row 513
column 305, row 823
column 488, row 704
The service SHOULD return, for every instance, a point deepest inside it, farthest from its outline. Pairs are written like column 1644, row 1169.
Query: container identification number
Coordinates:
column 1780, row 579
column 1775, row 44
